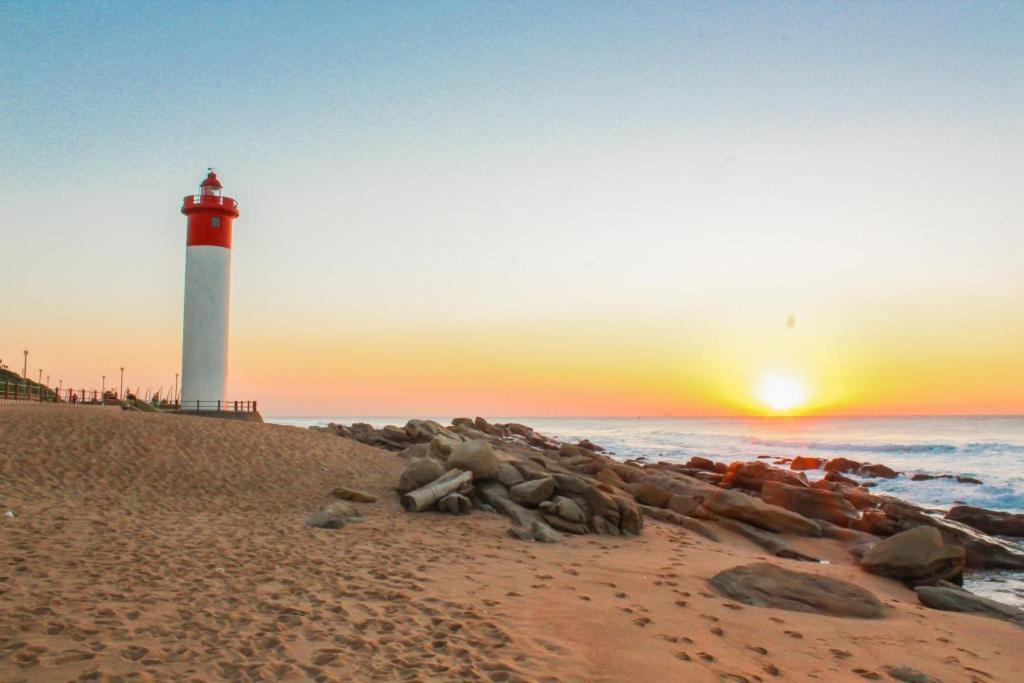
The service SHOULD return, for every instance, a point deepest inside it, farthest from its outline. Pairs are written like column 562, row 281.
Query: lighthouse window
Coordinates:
column 215, row 221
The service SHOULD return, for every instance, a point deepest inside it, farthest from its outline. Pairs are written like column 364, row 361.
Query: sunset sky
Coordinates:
column 539, row 208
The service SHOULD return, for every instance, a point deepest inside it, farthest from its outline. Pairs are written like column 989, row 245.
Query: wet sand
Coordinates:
column 158, row 547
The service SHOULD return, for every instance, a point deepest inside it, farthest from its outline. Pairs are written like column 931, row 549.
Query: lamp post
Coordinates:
column 121, row 392
column 103, row 385
column 24, row 368
column 174, row 396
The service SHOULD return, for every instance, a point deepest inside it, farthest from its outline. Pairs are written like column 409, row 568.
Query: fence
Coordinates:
column 216, row 406
column 20, row 391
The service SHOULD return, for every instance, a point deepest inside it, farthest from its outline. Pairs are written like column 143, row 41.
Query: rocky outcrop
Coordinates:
column 533, row 492
column 810, row 502
column 768, row 585
column 773, row 543
column 917, row 557
column 988, row 521
column 882, row 471
column 736, row 505
column 983, row 551
column 843, row 465
column 920, row 476
column 958, row 600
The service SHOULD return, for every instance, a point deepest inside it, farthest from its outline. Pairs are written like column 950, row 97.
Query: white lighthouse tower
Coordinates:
column 204, row 353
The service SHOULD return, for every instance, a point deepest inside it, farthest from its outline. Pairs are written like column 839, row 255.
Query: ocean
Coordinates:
column 989, row 448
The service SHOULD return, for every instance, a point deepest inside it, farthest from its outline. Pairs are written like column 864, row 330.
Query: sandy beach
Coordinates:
column 158, row 547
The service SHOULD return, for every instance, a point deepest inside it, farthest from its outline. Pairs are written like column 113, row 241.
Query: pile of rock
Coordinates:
column 504, row 468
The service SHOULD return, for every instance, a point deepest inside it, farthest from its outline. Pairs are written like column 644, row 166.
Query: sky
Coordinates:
column 529, row 208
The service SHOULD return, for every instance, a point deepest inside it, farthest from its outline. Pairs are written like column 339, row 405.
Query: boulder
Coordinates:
column 422, row 431
column 419, row 472
column 586, row 443
column 988, row 521
column 699, row 463
column 802, row 462
column 983, row 551
column 631, row 520
column 773, row 543
column 959, row 600
column 654, row 491
column 810, row 502
column 916, row 557
column 565, row 525
column 476, row 456
column 544, row 533
column 508, row 474
column 455, row 503
column 334, row 515
column 768, row 585
column 566, row 508
column 877, row 471
column 842, row 465
column 836, row 477
column 532, row 492
column 860, row 498
column 393, row 433
column 419, row 450
column 345, row 493
column 441, row 446
column 608, row 476
column 736, row 505
column 875, row 522
column 753, row 475
column 487, row 428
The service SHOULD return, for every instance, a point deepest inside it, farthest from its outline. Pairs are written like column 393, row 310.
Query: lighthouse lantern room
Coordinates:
column 204, row 354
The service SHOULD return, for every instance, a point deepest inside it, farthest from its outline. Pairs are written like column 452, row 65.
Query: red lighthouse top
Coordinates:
column 210, row 215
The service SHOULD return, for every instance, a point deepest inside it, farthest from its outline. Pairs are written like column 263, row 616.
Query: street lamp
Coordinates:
column 121, row 394
column 24, row 368
column 103, row 385
column 174, row 396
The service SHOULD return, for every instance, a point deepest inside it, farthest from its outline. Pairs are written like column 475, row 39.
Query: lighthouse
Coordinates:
column 204, row 352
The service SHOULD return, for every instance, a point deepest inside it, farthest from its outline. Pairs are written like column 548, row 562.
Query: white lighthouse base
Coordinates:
column 204, row 354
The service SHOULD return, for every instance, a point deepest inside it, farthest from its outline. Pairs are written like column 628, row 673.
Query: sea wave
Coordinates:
column 928, row 448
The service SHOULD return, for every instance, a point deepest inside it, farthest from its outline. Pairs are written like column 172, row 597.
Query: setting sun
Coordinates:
column 781, row 393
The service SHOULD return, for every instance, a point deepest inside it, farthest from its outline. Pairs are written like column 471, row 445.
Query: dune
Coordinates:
column 159, row 547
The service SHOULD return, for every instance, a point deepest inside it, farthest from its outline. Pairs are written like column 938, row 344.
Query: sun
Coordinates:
column 781, row 393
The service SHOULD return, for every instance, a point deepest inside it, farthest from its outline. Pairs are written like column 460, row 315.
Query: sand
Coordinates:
column 157, row 547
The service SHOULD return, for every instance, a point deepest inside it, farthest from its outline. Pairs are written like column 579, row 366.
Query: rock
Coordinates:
column 810, row 502
column 753, row 475
column 766, row 539
column 487, row 428
column 508, row 475
column 767, row 585
column 566, row 508
column 419, row 472
column 917, row 557
column 393, row 433
column 586, row 443
column 834, row 476
column 801, row 462
column 544, row 533
column 519, row 533
column 909, row 675
column 842, row 465
column 477, row 456
column 631, row 520
column 608, row 476
column 875, row 522
column 829, row 530
column 700, row 463
column 600, row 525
column 441, row 446
column 983, row 551
column 736, row 505
column 354, row 495
column 463, row 422
column 988, row 521
column 654, row 492
column 877, row 471
column 860, row 498
column 968, row 480
column 455, row 503
column 419, row 450
column 565, row 525
column 670, row 517
column 422, row 431
column 334, row 515
column 531, row 493
column 959, row 600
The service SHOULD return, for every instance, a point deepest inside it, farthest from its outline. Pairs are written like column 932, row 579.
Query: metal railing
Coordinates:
column 210, row 200
column 215, row 406
column 20, row 391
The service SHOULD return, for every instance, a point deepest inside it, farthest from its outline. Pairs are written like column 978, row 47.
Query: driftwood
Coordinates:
column 425, row 496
